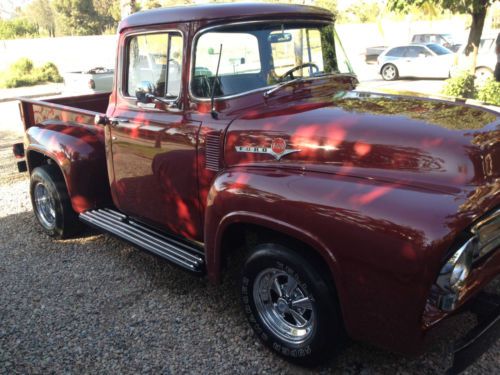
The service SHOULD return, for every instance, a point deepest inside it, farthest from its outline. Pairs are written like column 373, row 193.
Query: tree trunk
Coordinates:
column 476, row 31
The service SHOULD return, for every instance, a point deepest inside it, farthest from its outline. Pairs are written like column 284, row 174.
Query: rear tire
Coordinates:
column 389, row 72
column 290, row 304
column 51, row 202
column 483, row 74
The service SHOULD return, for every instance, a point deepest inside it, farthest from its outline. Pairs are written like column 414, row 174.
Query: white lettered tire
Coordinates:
column 290, row 304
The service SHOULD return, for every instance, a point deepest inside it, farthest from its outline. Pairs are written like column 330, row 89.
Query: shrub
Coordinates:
column 23, row 73
column 49, row 73
column 22, row 66
column 490, row 92
column 461, row 86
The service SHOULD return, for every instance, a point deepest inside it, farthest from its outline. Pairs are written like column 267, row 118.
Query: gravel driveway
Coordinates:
column 97, row 305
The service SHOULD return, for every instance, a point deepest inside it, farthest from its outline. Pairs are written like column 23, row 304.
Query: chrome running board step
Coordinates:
column 182, row 254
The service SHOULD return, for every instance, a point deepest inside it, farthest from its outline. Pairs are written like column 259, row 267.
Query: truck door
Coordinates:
column 153, row 146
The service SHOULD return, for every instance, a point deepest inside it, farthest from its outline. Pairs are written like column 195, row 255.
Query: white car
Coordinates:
column 415, row 60
column 92, row 81
column 486, row 59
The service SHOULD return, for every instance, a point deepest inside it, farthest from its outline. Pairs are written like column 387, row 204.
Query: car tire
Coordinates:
column 51, row 202
column 389, row 72
column 483, row 74
column 290, row 304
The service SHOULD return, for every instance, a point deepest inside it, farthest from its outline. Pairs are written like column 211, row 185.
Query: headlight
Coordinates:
column 453, row 276
column 457, row 268
column 460, row 264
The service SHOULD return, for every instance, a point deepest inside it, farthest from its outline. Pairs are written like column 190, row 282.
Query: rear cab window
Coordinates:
column 155, row 59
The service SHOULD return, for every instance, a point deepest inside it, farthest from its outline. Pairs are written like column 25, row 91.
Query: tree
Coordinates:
column 77, row 17
column 17, row 28
column 109, row 13
column 41, row 13
column 475, row 8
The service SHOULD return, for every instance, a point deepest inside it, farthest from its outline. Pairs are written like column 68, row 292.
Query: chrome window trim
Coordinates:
column 210, row 28
column 124, row 71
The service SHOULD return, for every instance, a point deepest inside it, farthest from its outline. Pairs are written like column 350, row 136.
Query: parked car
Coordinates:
column 415, row 60
column 486, row 59
column 445, row 40
column 359, row 214
column 372, row 53
column 94, row 80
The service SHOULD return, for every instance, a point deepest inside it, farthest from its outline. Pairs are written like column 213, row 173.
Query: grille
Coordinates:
column 212, row 152
column 488, row 233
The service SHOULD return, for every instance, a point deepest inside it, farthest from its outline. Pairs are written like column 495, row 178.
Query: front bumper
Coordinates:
column 469, row 348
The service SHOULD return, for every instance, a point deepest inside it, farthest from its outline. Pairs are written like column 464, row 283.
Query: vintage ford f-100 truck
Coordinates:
column 238, row 127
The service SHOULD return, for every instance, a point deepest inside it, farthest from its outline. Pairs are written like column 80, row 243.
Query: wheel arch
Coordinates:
column 242, row 228
column 79, row 157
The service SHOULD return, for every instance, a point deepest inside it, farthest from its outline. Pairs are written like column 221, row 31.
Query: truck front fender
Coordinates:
column 381, row 245
column 79, row 152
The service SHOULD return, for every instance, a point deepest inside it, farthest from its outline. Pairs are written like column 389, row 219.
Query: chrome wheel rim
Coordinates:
column 389, row 72
column 482, row 75
column 45, row 207
column 284, row 306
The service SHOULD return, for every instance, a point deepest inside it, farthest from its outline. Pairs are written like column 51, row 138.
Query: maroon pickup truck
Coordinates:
column 238, row 128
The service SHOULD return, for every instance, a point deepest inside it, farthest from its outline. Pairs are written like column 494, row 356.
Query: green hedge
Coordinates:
column 490, row 92
column 24, row 73
column 463, row 86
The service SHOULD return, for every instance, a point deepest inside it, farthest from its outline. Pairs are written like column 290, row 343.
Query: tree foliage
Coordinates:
column 41, row 13
column 76, row 17
column 17, row 28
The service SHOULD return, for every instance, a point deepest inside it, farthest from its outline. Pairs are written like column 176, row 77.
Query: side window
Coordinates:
column 397, row 52
column 157, row 59
column 414, row 51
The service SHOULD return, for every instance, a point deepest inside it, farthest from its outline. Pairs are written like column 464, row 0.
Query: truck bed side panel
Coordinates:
column 68, row 137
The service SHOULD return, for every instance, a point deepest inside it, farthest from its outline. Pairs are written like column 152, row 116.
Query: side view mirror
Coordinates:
column 422, row 55
column 142, row 90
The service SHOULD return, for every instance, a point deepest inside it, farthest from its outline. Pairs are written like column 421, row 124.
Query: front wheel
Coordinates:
column 389, row 72
column 290, row 304
column 51, row 202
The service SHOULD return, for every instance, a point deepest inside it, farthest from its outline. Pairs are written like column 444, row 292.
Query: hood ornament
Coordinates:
column 277, row 150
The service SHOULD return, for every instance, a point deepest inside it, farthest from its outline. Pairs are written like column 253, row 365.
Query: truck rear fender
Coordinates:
column 79, row 153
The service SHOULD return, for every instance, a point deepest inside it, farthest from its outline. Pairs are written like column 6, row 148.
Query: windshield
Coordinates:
column 438, row 49
column 258, row 55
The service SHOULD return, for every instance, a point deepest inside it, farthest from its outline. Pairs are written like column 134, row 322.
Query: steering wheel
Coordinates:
column 298, row 67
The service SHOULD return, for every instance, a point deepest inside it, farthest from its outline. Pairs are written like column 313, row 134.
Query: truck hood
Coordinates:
column 435, row 144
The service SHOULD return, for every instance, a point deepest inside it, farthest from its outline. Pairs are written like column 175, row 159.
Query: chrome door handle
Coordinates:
column 115, row 121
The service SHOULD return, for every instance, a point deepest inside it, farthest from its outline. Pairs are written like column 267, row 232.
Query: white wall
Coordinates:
column 84, row 52
column 68, row 53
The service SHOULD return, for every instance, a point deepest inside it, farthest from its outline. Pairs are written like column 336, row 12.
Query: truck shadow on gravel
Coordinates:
column 97, row 303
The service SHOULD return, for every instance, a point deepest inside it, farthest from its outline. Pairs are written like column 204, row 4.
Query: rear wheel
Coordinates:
column 482, row 75
column 290, row 304
column 389, row 72
column 51, row 202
